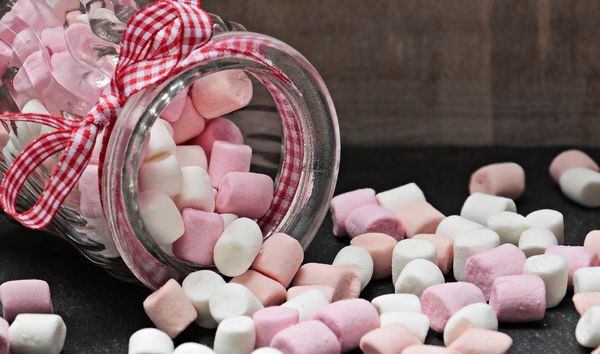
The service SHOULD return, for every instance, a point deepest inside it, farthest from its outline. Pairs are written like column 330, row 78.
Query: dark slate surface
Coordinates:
column 101, row 312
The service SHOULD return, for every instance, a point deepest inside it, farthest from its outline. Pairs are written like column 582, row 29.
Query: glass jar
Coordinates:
column 307, row 138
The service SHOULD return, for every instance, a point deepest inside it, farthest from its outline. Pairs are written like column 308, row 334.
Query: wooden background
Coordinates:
column 453, row 72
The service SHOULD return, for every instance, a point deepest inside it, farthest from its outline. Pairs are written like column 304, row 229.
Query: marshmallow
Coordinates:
column 232, row 300
column 218, row 129
column 161, row 174
column 576, row 257
column 569, row 159
column 587, row 331
column 279, row 258
column 24, row 296
column 295, row 291
column 553, row 271
column 346, row 282
column 470, row 244
column 481, row 341
column 481, row 269
column 416, row 322
column 196, row 190
column 169, row 309
column 221, row 93
column 381, row 248
column 202, row 230
column 592, row 241
column 454, row 226
column 62, row 7
column 408, row 250
column 502, row 179
column 161, row 217
column 189, row 125
column 428, row 349
column 237, row 247
column 4, row 337
column 390, row 339
column 419, row 218
column 444, row 247
column 548, row 219
column 199, row 287
column 53, row 39
column 508, row 225
column 193, row 348
column 471, row 316
column 227, row 157
column 418, row 275
column 235, row 335
column 479, row 207
column 150, row 340
column 37, row 334
column 293, row 340
column 266, row 350
column 585, row 301
column 272, row 320
column 398, row 197
column 89, row 193
column 173, row 110
column 191, row 155
column 349, row 320
column 161, row 141
column 307, row 303
column 358, row 260
column 396, row 303
column 229, row 218
column 344, row 204
column 374, row 218
column 441, row 301
column 582, row 186
column 586, row 280
column 536, row 240
column 33, row 76
column 518, row 298
column 267, row 290
column 245, row 194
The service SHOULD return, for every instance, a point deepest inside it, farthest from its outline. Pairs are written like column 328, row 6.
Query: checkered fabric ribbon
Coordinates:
column 161, row 40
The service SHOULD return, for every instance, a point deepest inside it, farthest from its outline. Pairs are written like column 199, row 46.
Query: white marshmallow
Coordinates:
column 587, row 331
column 357, row 259
column 191, row 155
column 470, row 244
column 581, row 185
column 408, row 250
column 508, row 225
column 232, row 300
column 454, row 226
column 471, row 316
column 161, row 174
column 193, row 348
column 161, row 140
column 161, row 217
column 27, row 132
column 34, row 106
column 534, row 241
column 548, row 219
column 479, row 207
column 396, row 303
column 396, row 198
column 37, row 334
column 196, row 190
column 418, row 275
column 586, row 280
column 199, row 286
column 235, row 335
column 307, row 303
column 553, row 271
column 416, row 322
column 228, row 218
column 237, row 247
column 267, row 350
column 150, row 340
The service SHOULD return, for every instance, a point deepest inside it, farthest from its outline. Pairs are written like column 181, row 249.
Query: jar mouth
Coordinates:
column 307, row 171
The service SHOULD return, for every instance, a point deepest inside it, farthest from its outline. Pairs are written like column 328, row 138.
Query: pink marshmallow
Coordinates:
column 419, row 218
column 440, row 302
column 374, row 218
column 349, row 320
column 344, row 204
column 25, row 296
column 570, row 159
column 576, row 257
column 33, row 75
column 218, row 129
column 89, row 193
column 390, row 339
column 308, row 337
column 173, row 111
column 428, row 349
column 346, row 282
column 189, row 125
column 502, row 179
column 267, row 290
column 272, row 320
column 592, row 241
column 170, row 309
column 53, row 39
column 298, row 290
column 381, row 248
column 37, row 14
column 62, row 7
column 221, row 93
column 481, row 341
column 245, row 194
column 444, row 247
column 227, row 157
column 26, row 43
column 481, row 269
column 518, row 298
column 4, row 337
column 6, row 54
column 583, row 301
column 280, row 258
column 77, row 78
column 202, row 231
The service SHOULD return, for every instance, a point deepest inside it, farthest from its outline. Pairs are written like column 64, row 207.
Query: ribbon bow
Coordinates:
column 156, row 42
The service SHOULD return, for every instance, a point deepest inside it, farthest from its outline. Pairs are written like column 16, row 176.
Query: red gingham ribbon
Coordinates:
column 161, row 40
